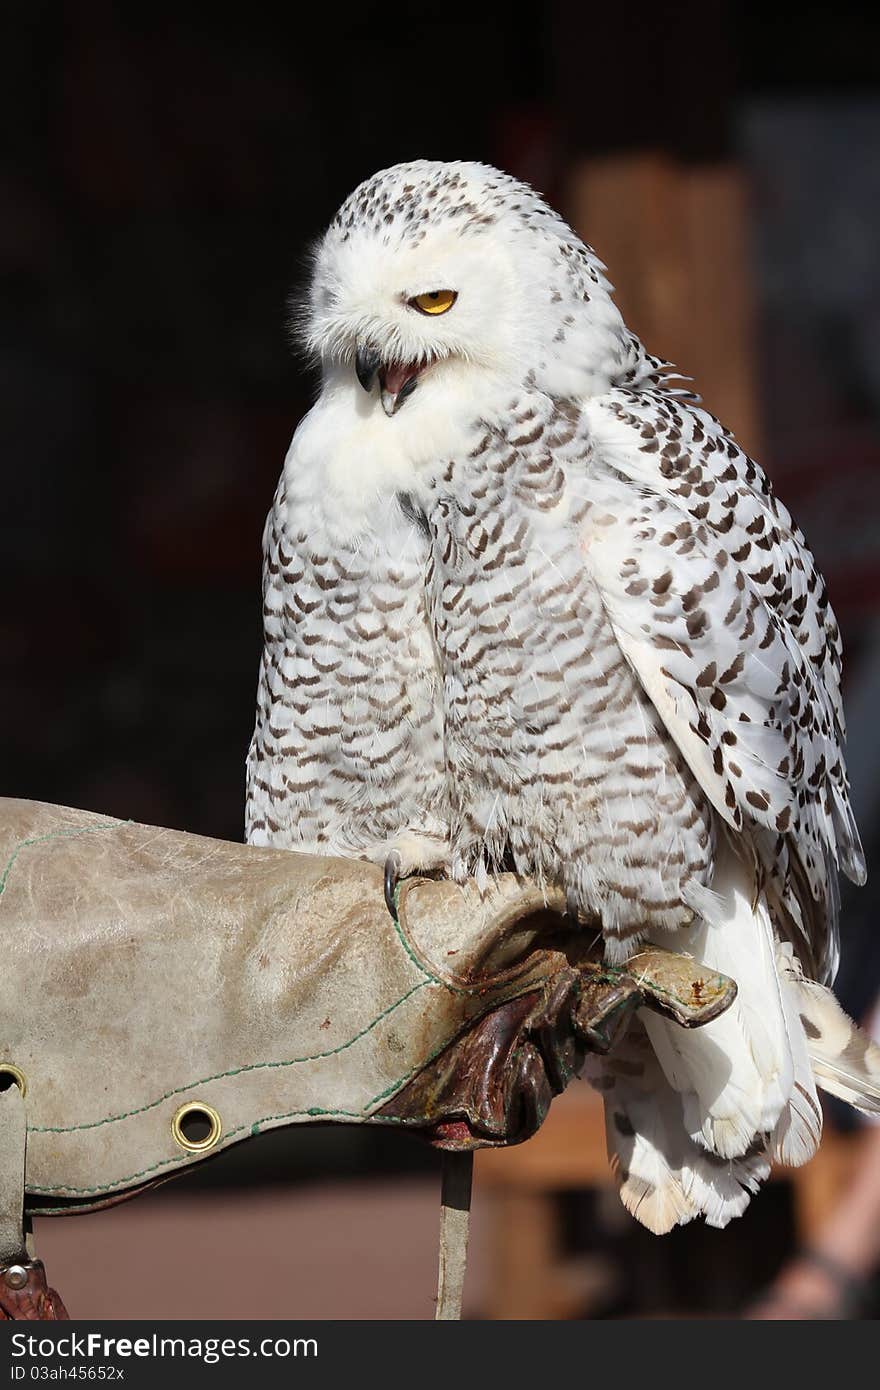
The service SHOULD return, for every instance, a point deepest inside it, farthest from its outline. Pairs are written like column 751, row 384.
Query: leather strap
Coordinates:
column 13, row 1145
column 24, row 1293
column 455, row 1210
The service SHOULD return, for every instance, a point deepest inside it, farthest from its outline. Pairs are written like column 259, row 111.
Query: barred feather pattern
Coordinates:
column 674, row 452
column 346, row 756
column 559, row 762
column 582, row 611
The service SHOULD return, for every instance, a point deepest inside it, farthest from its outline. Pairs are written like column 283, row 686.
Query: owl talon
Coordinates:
column 392, row 879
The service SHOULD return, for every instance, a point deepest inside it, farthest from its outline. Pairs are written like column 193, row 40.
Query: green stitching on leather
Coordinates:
column 54, row 835
column 436, row 979
column 252, row 1126
column 233, row 1071
column 398, row 1085
column 196, row 1158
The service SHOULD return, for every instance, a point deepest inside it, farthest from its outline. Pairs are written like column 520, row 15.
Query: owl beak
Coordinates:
column 397, row 384
column 396, row 381
column 366, row 364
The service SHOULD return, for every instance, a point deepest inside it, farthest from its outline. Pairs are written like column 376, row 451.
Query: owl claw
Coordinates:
column 392, row 878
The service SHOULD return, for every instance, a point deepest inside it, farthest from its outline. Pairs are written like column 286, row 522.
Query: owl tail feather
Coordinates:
column 846, row 1062
column 746, row 1077
column 665, row 1179
column 694, row 1117
column 667, row 1175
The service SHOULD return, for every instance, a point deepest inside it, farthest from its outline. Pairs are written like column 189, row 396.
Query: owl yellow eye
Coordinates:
column 437, row 302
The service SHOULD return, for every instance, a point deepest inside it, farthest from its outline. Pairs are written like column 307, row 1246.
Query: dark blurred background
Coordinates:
column 163, row 178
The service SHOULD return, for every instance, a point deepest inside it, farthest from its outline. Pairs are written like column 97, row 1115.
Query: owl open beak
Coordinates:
column 396, row 380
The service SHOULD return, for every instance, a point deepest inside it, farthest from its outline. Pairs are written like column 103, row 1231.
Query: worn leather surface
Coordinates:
column 145, row 968
column 494, row 1085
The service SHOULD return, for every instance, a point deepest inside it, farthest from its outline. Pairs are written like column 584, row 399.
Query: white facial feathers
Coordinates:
column 532, row 301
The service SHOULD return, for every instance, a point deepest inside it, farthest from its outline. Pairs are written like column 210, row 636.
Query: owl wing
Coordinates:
column 716, row 603
column 674, row 449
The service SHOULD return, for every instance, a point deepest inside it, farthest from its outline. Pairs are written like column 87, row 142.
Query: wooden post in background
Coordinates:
column 675, row 239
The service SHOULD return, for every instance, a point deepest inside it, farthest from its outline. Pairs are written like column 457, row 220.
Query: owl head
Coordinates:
column 436, row 274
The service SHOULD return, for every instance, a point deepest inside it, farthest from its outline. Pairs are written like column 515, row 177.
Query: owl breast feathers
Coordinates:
column 529, row 606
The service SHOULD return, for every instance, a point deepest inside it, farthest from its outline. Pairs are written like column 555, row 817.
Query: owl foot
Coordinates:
column 413, row 852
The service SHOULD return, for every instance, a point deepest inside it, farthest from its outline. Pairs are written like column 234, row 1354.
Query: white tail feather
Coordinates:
column 693, row 1118
column 846, row 1062
column 665, row 1179
column 722, row 1188
column 735, row 1074
column 798, row 1132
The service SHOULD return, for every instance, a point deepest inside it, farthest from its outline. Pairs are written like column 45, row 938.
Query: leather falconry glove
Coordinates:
column 165, row 996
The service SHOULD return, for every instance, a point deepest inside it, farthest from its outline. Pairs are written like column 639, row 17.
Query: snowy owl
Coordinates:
column 529, row 606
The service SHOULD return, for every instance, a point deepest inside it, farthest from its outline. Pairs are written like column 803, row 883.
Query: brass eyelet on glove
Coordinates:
column 189, row 1120
column 10, row 1073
